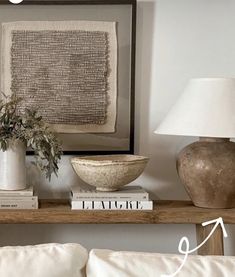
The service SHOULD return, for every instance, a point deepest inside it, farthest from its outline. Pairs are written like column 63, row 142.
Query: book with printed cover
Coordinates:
column 128, row 193
column 25, row 192
column 19, row 204
column 18, row 199
column 111, row 205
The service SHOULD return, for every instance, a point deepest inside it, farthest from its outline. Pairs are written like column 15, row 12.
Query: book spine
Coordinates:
column 112, row 205
column 18, row 193
column 111, row 197
column 18, row 205
column 19, row 198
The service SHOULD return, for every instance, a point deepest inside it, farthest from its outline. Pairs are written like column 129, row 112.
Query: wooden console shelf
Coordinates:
column 165, row 212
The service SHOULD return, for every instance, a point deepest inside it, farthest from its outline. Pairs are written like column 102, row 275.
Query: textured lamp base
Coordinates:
column 207, row 170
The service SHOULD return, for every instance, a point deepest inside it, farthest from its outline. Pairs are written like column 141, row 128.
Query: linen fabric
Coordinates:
column 106, row 263
column 67, row 70
column 48, row 260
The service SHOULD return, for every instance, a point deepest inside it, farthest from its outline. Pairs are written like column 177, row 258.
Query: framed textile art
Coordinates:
column 74, row 62
column 69, row 72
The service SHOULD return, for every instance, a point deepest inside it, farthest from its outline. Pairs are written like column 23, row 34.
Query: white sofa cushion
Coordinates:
column 46, row 260
column 106, row 263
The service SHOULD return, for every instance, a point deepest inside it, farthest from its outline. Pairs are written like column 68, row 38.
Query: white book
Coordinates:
column 25, row 192
column 18, row 205
column 111, row 205
column 19, row 198
column 127, row 193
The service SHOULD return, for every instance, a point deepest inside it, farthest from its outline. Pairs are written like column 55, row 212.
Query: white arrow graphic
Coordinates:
column 184, row 240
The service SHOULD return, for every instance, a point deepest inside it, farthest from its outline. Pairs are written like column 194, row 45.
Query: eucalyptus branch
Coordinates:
column 32, row 130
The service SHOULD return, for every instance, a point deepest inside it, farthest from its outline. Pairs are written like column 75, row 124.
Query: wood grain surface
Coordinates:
column 165, row 212
column 215, row 245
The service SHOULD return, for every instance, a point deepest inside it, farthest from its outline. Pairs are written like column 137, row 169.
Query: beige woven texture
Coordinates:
column 66, row 69
column 69, row 72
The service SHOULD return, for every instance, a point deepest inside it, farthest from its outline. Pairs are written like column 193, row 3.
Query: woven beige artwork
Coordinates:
column 65, row 69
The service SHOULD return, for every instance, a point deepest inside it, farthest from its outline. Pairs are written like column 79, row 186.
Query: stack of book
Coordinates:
column 128, row 198
column 18, row 199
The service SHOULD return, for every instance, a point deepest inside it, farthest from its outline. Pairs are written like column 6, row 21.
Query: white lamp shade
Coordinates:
column 205, row 109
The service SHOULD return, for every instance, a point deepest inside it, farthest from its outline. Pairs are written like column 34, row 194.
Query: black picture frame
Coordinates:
column 132, row 63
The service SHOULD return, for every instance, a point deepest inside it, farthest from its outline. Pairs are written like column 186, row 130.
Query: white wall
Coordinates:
column 176, row 40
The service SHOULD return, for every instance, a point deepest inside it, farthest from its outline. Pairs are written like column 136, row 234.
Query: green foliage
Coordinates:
column 33, row 131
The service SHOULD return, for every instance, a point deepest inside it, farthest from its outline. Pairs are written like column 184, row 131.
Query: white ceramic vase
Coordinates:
column 12, row 166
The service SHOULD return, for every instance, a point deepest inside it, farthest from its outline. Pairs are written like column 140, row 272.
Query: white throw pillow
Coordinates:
column 107, row 263
column 46, row 260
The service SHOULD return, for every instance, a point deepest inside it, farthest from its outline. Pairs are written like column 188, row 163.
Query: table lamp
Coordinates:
column 206, row 109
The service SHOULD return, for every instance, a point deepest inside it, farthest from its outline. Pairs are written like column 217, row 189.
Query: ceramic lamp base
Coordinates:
column 207, row 170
